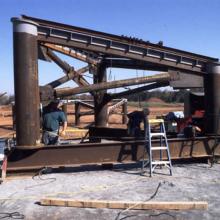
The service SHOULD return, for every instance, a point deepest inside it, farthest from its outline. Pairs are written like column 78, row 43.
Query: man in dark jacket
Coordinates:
column 53, row 117
column 135, row 120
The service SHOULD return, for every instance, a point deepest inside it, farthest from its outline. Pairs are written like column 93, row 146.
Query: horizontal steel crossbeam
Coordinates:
column 108, row 44
column 93, row 153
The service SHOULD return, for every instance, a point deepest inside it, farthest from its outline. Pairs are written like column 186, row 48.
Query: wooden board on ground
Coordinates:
column 153, row 205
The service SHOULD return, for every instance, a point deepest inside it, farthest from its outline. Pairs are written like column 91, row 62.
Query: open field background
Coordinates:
column 156, row 106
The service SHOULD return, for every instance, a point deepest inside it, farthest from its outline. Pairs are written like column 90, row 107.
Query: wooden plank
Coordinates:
column 159, row 205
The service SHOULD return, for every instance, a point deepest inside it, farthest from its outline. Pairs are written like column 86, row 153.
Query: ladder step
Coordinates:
column 163, row 145
column 160, row 162
column 152, row 121
column 158, row 148
column 157, row 134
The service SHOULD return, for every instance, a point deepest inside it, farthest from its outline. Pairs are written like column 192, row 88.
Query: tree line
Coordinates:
column 166, row 96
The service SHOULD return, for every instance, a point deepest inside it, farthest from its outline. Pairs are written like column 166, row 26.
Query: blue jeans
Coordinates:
column 50, row 138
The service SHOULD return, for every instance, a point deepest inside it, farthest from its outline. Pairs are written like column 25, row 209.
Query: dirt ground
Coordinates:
column 190, row 182
column 115, row 120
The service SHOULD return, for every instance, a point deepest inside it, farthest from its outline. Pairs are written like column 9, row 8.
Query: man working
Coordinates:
column 53, row 117
column 135, row 120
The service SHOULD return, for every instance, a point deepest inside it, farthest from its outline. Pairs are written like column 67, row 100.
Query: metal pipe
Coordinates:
column 163, row 77
column 212, row 99
column 26, row 82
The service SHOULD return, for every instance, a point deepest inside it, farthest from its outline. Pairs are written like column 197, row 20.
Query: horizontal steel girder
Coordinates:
column 108, row 44
column 98, row 153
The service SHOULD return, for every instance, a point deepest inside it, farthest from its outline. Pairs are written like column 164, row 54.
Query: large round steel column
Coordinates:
column 26, row 83
column 212, row 99
column 99, row 98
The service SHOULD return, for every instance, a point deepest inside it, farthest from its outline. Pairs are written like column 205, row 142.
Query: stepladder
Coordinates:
column 156, row 150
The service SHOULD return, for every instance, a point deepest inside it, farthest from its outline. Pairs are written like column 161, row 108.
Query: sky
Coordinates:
column 191, row 25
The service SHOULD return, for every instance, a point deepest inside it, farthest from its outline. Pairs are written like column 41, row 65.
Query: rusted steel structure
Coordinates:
column 35, row 39
column 100, row 153
column 27, row 100
column 115, row 103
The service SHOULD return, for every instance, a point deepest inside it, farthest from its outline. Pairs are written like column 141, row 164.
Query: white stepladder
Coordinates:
column 163, row 146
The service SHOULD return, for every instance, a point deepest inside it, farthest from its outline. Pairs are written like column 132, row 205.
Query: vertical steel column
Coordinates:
column 27, row 100
column 77, row 113
column 124, row 113
column 64, row 109
column 212, row 99
column 99, row 98
column 13, row 116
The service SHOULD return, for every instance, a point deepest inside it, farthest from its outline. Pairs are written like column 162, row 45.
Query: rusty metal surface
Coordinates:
column 132, row 64
column 26, row 89
column 190, row 66
column 96, row 153
column 100, row 104
column 73, row 53
column 138, row 90
column 129, row 51
column 90, row 40
column 68, row 69
column 72, row 75
column 212, row 99
column 63, row 65
column 163, row 77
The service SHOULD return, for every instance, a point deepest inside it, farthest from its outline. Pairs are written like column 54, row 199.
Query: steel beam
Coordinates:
column 26, row 82
column 112, row 62
column 110, row 152
column 138, row 90
column 124, row 113
column 163, row 77
column 99, row 42
column 120, row 46
column 77, row 113
column 62, row 64
column 67, row 68
column 73, row 53
column 155, row 57
column 212, row 99
column 69, row 76
column 186, row 81
column 100, row 104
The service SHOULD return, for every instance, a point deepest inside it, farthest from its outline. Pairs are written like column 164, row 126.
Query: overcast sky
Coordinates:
column 191, row 25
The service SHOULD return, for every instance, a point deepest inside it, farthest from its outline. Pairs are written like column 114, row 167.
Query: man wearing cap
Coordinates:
column 53, row 117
